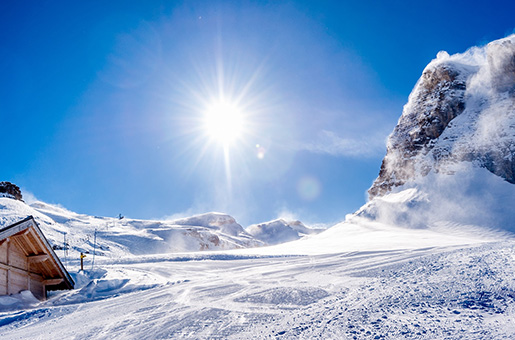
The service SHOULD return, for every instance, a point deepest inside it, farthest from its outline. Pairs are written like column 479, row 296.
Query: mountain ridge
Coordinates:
column 116, row 237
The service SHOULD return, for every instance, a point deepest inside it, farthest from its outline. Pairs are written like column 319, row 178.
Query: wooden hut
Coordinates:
column 28, row 262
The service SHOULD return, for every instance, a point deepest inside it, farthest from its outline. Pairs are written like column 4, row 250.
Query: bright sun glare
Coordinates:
column 223, row 122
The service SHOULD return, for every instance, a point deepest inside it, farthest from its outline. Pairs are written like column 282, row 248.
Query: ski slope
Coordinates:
column 454, row 292
column 400, row 267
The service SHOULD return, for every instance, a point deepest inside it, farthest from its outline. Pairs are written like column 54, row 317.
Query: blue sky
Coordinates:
column 102, row 104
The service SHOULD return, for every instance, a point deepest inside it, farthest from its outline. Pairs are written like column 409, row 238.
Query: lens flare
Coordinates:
column 260, row 151
column 309, row 188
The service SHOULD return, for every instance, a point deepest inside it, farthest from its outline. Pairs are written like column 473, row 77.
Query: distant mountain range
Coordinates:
column 115, row 237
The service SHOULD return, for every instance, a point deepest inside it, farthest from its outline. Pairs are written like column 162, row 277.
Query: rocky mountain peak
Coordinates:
column 461, row 109
column 8, row 189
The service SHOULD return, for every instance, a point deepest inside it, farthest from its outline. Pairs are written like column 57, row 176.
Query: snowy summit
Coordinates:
column 462, row 110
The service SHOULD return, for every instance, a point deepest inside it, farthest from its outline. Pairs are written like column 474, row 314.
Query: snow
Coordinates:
column 376, row 275
column 274, row 232
column 4, row 194
column 433, row 259
column 23, row 299
column 121, row 237
column 452, row 292
column 225, row 223
column 280, row 231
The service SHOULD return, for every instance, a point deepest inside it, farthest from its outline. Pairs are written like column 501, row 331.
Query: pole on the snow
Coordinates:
column 65, row 249
column 82, row 256
column 94, row 249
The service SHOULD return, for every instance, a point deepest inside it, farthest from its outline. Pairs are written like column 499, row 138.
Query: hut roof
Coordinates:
column 29, row 237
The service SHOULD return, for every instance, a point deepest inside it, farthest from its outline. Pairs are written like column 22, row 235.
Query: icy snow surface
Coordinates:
column 454, row 292
column 400, row 267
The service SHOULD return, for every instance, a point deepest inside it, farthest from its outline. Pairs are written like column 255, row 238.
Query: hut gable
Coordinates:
column 28, row 262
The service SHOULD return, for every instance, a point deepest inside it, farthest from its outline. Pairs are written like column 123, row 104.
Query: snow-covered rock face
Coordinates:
column 461, row 110
column 501, row 63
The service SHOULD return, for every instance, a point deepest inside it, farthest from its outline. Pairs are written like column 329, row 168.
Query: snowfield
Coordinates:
column 419, row 263
column 460, row 292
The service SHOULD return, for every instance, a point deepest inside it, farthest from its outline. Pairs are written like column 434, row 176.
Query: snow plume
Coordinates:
column 287, row 215
column 475, row 202
column 29, row 197
column 183, row 214
column 309, row 221
column 490, row 104
column 461, row 110
column 485, row 132
column 491, row 91
column 501, row 63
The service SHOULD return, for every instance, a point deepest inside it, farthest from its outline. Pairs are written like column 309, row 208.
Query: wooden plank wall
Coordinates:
column 3, row 281
column 17, row 282
column 15, row 278
column 17, row 257
column 3, row 252
column 3, row 272
column 37, row 287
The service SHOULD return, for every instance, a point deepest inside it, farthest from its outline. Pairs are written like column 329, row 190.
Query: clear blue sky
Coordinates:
column 102, row 103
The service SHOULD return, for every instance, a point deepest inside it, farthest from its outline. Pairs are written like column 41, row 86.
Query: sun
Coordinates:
column 223, row 122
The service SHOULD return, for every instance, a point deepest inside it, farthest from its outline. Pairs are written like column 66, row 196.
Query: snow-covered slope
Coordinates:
column 113, row 237
column 280, row 231
column 438, row 210
column 438, row 293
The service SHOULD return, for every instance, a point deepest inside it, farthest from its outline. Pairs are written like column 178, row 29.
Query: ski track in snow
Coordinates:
column 433, row 293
